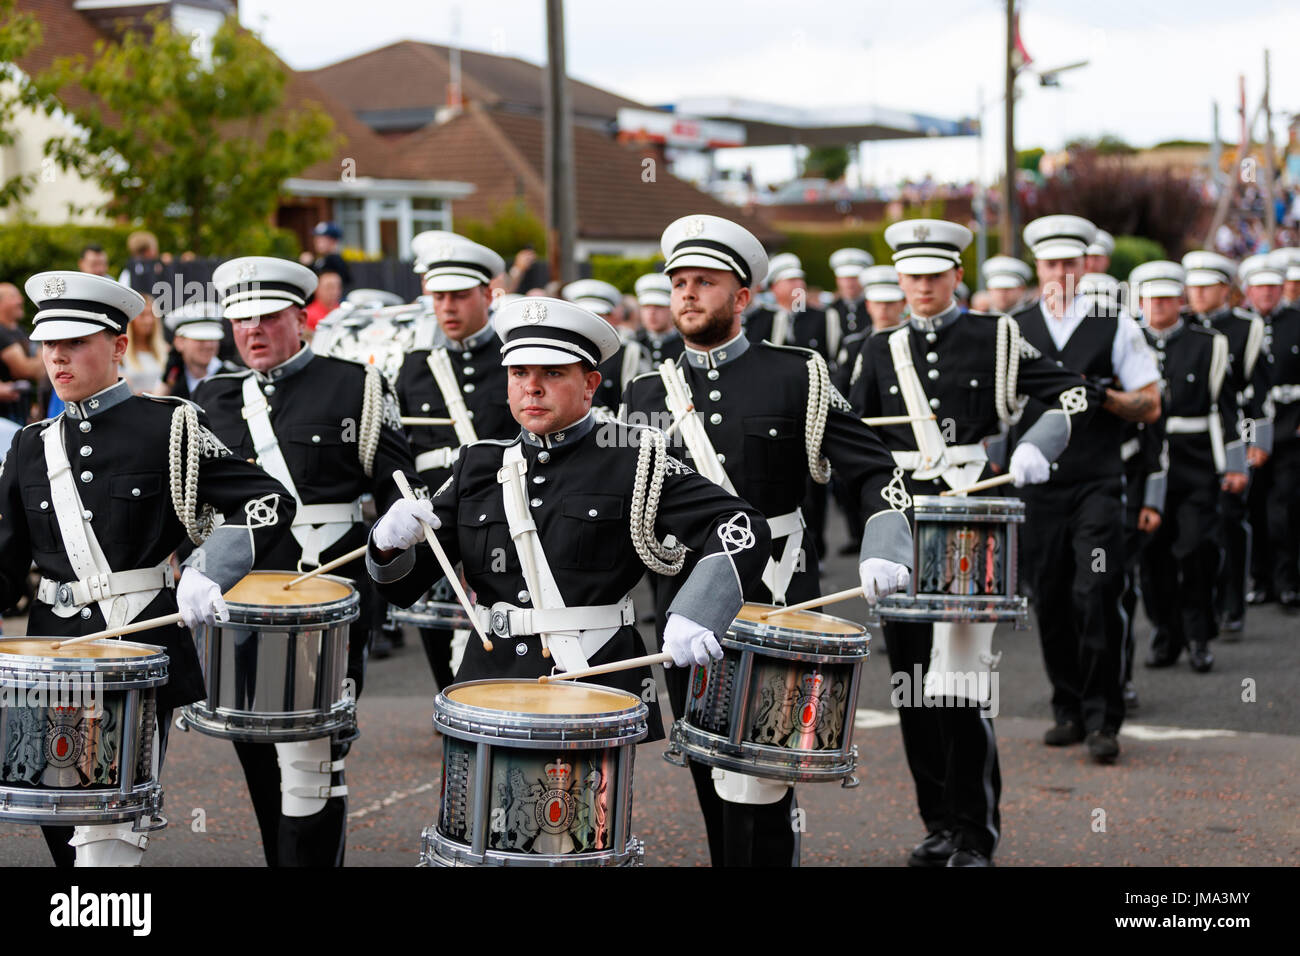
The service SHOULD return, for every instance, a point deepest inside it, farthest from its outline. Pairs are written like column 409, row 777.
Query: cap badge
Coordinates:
column 921, row 233
column 442, row 252
column 535, row 313
column 55, row 287
column 694, row 227
column 247, row 271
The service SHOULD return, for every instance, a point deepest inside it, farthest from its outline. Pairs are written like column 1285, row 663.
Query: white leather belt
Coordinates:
column 1180, row 425
column 506, row 620
column 348, row 511
column 101, row 587
column 438, row 458
column 782, row 526
column 1285, row 394
column 954, row 455
column 1130, row 448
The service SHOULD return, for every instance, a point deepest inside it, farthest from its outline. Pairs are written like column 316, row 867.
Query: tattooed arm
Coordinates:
column 1140, row 405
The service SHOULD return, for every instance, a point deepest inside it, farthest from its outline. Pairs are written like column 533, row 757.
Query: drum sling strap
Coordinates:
column 960, row 465
column 444, row 376
column 315, row 527
column 780, row 327
column 121, row 595
column 778, row 573
column 585, row 630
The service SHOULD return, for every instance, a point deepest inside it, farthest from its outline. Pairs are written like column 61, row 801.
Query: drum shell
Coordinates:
column 275, row 673
column 76, row 737
column 965, row 563
column 438, row 615
column 767, row 710
column 522, row 789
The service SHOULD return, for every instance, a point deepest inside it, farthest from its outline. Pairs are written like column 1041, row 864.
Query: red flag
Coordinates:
column 1021, row 55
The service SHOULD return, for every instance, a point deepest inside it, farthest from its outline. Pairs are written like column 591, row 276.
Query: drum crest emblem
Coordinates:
column 65, row 739
column 555, row 808
column 808, row 708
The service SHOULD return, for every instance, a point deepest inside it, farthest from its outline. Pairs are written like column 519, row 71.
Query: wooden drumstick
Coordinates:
column 631, row 662
column 979, row 485
column 668, row 432
column 124, row 629
column 815, row 602
column 453, row 579
column 328, row 566
column 428, row 421
column 897, row 419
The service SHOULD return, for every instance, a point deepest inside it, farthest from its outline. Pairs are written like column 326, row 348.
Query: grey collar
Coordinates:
column 721, row 355
column 100, row 402
column 935, row 322
column 658, row 340
column 288, row 367
column 1164, row 335
column 562, row 437
column 472, row 343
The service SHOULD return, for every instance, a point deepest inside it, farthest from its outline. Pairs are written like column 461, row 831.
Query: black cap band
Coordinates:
column 746, row 276
column 86, row 305
column 572, row 342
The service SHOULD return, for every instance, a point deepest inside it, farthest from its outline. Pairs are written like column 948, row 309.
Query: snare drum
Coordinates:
column 77, row 726
column 274, row 672
column 965, row 563
column 535, row 775
column 780, row 701
column 440, row 615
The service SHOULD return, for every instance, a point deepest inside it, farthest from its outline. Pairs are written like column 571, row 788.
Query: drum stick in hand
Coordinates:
column 328, row 566
column 815, row 602
column 453, row 579
column 897, row 419
column 427, row 421
column 979, row 486
column 148, row 625
column 628, row 664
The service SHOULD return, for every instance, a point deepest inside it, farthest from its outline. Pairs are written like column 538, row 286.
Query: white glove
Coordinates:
column 199, row 600
column 402, row 526
column 880, row 577
column 1028, row 466
column 688, row 642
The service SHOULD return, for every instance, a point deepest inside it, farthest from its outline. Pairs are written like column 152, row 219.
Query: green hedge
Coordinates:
column 623, row 273
column 1130, row 252
column 814, row 251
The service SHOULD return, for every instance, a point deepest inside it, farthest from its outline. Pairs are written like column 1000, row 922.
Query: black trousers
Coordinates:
column 1180, row 564
column 437, row 648
column 1284, row 515
column 951, row 751
column 1235, row 536
column 814, row 514
column 1261, row 541
column 1072, row 553
column 56, row 838
column 1134, row 542
column 740, row 834
column 850, row 506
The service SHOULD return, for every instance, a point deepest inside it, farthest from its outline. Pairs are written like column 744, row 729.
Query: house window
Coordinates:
column 429, row 213
column 351, row 215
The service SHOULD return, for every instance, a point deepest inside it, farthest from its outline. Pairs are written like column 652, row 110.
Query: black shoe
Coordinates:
column 1231, row 629
column 1102, row 746
column 969, row 858
column 1260, row 596
column 1130, row 696
column 1062, row 735
column 934, row 850
column 1155, row 659
column 1201, row 659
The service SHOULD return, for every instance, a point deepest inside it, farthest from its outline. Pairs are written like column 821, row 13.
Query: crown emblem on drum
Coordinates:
column 695, row 228
column 559, row 775
column 535, row 313
column 54, row 287
column 921, row 233
column 812, row 684
column 247, row 271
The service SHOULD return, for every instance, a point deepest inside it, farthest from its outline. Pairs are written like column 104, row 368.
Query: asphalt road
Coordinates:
column 1207, row 775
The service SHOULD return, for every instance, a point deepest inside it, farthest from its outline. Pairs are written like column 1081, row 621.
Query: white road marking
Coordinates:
column 866, row 719
column 395, row 797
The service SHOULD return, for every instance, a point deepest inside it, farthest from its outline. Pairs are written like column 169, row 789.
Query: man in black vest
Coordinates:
column 658, row 337
column 850, row 304
column 1209, row 280
column 1205, row 454
column 1072, row 544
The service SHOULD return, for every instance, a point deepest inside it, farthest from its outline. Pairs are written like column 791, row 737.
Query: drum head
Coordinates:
column 809, row 621
column 103, row 649
column 267, row 588
column 530, row 697
column 803, row 635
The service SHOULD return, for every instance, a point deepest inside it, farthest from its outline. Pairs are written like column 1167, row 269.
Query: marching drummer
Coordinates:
column 761, row 420
column 330, row 431
column 85, row 496
column 967, row 370
column 540, row 523
column 461, row 378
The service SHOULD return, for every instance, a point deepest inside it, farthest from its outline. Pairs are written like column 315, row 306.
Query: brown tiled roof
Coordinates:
column 411, row 75
column 502, row 154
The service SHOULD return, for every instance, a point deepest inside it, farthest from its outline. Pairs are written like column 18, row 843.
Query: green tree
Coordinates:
column 19, row 32
column 189, row 142
column 1029, row 158
column 826, row 162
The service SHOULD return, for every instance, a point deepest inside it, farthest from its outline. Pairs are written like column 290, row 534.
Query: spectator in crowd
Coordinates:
column 18, row 368
column 143, row 267
column 326, row 239
column 329, row 293
column 93, row 260
column 146, row 351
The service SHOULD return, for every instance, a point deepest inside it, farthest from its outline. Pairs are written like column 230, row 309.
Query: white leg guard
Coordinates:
column 961, row 661
column 742, row 788
column 459, row 639
column 113, row 844
column 305, row 773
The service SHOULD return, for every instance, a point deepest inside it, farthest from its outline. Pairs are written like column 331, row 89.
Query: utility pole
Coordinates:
column 977, row 204
column 1010, row 234
column 1270, row 210
column 561, row 216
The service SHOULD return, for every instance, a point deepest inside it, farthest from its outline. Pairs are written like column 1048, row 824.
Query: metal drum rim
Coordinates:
column 81, row 802
column 695, row 749
column 263, row 728
column 480, row 724
column 940, row 508
column 432, row 839
column 138, row 672
column 792, row 643
column 324, row 612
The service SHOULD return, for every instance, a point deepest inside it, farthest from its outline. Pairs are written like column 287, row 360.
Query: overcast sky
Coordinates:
column 1154, row 67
